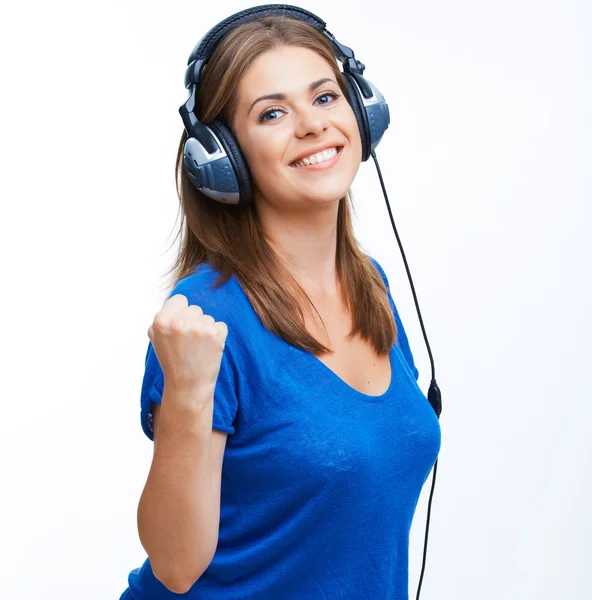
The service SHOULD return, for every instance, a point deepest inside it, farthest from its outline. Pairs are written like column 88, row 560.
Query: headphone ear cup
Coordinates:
column 355, row 101
column 237, row 160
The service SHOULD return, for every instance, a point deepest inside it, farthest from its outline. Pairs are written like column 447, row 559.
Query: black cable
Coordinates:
column 388, row 206
column 425, row 542
column 434, row 395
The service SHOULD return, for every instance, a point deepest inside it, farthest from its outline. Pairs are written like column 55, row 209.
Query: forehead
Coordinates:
column 289, row 69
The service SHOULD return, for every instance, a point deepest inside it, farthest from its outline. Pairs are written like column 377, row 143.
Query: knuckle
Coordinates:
column 207, row 328
column 160, row 321
column 180, row 298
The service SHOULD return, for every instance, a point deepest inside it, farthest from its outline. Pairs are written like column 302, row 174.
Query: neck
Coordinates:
column 307, row 243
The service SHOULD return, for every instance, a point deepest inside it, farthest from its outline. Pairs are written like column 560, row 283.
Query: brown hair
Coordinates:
column 213, row 232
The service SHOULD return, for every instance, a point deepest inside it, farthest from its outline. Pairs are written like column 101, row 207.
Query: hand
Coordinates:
column 189, row 346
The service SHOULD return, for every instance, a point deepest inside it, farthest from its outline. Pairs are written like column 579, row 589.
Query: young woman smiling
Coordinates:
column 291, row 440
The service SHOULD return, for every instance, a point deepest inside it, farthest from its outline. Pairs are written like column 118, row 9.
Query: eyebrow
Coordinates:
column 280, row 96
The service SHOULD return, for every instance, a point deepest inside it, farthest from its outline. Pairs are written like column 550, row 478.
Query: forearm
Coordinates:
column 177, row 518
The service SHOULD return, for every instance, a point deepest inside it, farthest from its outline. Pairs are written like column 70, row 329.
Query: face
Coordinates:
column 274, row 132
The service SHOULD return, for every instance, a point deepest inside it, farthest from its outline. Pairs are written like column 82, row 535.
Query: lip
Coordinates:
column 316, row 150
column 326, row 164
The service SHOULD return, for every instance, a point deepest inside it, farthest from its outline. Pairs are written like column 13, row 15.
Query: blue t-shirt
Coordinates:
column 319, row 481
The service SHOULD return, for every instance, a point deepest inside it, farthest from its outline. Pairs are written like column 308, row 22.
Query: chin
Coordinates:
column 333, row 188
column 331, row 193
column 327, row 189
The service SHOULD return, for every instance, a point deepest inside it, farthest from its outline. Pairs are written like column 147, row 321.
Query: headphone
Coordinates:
column 212, row 157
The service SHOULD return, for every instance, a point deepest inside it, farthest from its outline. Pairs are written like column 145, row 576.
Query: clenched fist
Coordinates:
column 188, row 345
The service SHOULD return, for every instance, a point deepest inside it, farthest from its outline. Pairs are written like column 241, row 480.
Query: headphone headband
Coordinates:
column 206, row 46
column 209, row 42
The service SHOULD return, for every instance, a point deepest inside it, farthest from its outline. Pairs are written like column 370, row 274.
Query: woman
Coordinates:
column 291, row 440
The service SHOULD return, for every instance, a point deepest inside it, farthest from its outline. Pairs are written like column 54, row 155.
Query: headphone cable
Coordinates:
column 434, row 395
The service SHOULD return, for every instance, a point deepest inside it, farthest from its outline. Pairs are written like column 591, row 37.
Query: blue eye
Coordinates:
column 268, row 112
column 262, row 118
column 327, row 94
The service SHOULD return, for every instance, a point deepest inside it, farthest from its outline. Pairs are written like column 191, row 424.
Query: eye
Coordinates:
column 335, row 96
column 262, row 117
column 266, row 113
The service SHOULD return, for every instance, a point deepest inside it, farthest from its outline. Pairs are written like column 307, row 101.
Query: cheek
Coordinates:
column 356, row 140
column 264, row 153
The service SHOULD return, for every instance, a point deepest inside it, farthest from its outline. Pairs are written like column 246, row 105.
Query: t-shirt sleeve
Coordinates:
column 402, row 340
column 225, row 393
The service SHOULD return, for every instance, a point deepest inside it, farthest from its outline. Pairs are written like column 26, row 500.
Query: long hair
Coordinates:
column 231, row 239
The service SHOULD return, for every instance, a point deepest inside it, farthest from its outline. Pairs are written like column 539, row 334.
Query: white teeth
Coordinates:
column 313, row 159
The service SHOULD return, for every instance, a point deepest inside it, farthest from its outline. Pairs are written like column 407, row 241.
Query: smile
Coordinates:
column 322, row 160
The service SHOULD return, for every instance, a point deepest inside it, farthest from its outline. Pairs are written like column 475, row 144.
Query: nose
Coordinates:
column 311, row 120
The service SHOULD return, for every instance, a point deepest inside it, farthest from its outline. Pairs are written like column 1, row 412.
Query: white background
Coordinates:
column 487, row 166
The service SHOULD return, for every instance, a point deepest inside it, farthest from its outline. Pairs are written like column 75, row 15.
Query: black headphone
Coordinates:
column 212, row 157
